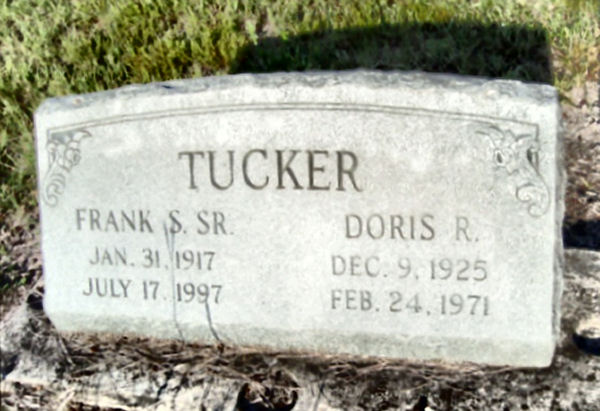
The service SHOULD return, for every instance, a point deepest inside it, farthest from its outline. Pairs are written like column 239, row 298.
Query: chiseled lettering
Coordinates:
column 283, row 169
column 211, row 222
column 245, row 163
column 345, row 170
column 107, row 287
column 395, row 226
column 212, row 172
column 191, row 165
column 315, row 170
column 116, row 221
column 462, row 228
column 105, row 256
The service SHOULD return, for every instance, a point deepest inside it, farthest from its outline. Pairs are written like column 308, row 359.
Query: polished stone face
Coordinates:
column 378, row 214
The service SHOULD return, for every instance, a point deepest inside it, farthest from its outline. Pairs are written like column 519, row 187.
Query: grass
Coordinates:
column 50, row 48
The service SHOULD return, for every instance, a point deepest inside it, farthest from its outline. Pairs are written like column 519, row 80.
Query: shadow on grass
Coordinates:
column 507, row 51
column 500, row 51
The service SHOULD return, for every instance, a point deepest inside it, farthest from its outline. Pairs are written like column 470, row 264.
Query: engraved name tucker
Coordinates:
column 295, row 169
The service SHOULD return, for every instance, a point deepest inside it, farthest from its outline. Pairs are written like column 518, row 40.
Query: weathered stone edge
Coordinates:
column 375, row 79
column 559, row 253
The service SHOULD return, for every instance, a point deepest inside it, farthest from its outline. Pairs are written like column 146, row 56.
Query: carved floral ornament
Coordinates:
column 516, row 154
column 64, row 153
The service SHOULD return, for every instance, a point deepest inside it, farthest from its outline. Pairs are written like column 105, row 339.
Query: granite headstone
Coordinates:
column 392, row 214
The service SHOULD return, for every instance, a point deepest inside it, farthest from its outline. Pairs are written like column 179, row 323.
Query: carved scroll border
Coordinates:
column 517, row 155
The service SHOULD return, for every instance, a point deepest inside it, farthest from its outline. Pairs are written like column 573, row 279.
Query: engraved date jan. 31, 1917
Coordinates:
column 184, row 259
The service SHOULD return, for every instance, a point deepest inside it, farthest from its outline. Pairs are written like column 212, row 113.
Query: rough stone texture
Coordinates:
column 458, row 171
column 43, row 369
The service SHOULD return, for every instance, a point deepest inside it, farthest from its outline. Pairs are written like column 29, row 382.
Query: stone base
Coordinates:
column 42, row 369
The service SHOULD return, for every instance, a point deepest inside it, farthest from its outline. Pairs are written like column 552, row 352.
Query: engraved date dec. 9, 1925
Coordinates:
column 403, row 267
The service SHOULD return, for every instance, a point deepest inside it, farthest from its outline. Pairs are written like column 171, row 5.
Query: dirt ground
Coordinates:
column 581, row 116
column 66, row 371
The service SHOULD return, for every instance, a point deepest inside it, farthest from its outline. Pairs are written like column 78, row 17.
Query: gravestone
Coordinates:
column 399, row 215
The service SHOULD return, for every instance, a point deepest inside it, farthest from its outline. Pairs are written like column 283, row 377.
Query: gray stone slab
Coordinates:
column 378, row 214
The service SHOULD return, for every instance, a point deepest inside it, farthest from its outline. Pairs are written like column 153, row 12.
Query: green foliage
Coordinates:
column 57, row 47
